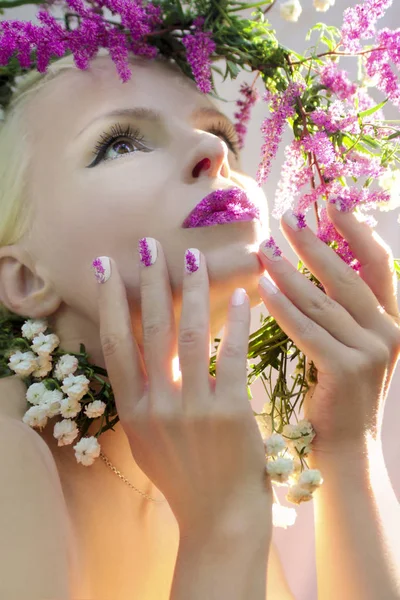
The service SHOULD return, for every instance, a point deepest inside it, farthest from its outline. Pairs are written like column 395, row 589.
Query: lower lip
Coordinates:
column 220, row 207
column 223, row 216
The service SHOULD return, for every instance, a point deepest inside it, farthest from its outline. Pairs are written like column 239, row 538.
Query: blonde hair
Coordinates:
column 16, row 212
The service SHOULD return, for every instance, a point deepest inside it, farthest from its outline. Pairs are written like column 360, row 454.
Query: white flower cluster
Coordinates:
column 50, row 403
column 292, row 9
column 284, row 468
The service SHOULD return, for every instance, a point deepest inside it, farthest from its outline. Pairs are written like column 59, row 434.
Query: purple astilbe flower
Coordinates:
column 321, row 146
column 295, row 174
column 332, row 119
column 251, row 96
column 199, row 47
column 337, row 81
column 306, row 200
column 359, row 22
column 378, row 67
column 328, row 234
column 282, row 105
column 84, row 42
column 347, row 198
column 355, row 164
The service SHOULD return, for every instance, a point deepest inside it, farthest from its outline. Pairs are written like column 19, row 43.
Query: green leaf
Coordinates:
column 234, row 70
column 393, row 136
column 372, row 110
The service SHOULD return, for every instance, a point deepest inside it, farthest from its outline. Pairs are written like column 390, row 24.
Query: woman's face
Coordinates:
column 89, row 206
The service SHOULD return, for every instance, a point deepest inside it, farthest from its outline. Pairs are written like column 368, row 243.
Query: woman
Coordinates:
column 206, row 539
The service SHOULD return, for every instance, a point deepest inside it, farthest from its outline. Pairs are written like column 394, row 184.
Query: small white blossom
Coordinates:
column 23, row 363
column 297, row 494
column 45, row 344
column 280, row 469
column 310, row 480
column 75, row 386
column 86, row 450
column 95, row 409
column 283, row 516
column 323, row 5
column 69, row 408
column 32, row 327
column 65, row 432
column 36, row 416
column 301, row 435
column 45, row 365
column 35, row 393
column 67, row 365
column 390, row 181
column 274, row 444
column 291, row 10
column 52, row 399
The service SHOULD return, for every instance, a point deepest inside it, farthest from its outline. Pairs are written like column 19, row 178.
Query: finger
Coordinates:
column 312, row 339
column 308, row 298
column 231, row 359
column 340, row 281
column 194, row 328
column 374, row 255
column 124, row 362
column 158, row 321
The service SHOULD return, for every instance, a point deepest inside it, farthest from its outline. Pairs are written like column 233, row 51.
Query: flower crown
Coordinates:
column 343, row 151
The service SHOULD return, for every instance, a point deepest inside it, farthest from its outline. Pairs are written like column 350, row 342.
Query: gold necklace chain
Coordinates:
column 109, row 464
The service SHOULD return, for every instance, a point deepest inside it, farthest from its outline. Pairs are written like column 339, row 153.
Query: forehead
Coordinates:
column 81, row 96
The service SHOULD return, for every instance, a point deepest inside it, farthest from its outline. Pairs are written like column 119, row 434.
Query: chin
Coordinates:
column 236, row 266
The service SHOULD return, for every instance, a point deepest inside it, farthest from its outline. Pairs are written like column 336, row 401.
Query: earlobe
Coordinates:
column 22, row 290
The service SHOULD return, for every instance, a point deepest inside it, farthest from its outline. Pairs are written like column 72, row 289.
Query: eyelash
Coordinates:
column 228, row 132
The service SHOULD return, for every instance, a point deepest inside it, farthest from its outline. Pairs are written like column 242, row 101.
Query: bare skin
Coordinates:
column 85, row 212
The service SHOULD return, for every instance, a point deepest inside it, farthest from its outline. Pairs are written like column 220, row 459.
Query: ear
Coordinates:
column 22, row 290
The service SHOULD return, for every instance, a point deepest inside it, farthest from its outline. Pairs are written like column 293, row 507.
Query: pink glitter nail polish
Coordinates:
column 147, row 251
column 270, row 249
column 102, row 268
column 192, row 260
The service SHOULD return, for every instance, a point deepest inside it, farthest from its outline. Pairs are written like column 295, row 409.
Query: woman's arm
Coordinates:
column 357, row 523
column 231, row 563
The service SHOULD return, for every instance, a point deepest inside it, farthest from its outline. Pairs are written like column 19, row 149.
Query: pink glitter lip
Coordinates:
column 222, row 206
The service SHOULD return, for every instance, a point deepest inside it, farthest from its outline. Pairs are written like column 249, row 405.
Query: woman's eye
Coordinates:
column 118, row 138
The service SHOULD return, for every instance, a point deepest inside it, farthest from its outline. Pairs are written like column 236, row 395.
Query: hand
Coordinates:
column 195, row 438
column 351, row 333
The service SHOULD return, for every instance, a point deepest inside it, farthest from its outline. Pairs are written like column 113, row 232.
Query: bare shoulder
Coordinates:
column 277, row 584
column 36, row 534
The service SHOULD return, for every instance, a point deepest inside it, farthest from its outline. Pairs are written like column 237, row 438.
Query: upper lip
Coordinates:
column 205, row 208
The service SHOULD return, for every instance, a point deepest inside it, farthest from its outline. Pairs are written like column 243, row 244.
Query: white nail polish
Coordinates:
column 102, row 268
column 239, row 296
column 270, row 249
column 192, row 260
column 295, row 222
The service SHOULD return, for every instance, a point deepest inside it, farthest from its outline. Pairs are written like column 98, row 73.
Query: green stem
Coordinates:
column 244, row 5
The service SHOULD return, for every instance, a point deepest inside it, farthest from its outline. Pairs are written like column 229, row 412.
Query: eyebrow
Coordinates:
column 149, row 114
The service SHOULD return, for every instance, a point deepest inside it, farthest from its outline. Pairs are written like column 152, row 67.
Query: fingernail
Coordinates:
column 294, row 220
column 192, row 260
column 147, row 251
column 270, row 249
column 342, row 204
column 268, row 285
column 102, row 268
column 238, row 297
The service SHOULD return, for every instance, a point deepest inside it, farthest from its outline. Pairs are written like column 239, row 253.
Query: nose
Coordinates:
column 209, row 158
